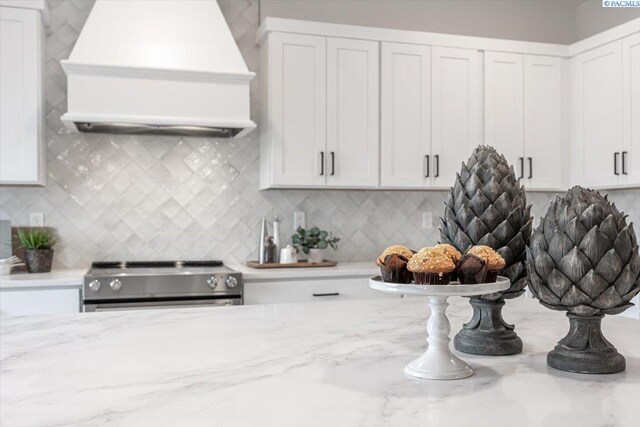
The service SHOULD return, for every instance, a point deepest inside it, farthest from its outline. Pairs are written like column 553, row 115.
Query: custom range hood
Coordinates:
column 167, row 67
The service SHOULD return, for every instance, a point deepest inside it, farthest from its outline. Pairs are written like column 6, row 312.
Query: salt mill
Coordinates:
column 276, row 238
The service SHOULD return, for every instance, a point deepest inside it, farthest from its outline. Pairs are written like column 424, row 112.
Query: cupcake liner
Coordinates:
column 431, row 278
column 471, row 270
column 391, row 275
column 492, row 276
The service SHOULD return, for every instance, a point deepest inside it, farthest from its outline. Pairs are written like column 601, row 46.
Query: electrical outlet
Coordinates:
column 299, row 220
column 36, row 219
column 427, row 220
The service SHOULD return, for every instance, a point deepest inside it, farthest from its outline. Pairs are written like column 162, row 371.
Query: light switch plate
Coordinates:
column 36, row 219
column 427, row 220
column 299, row 220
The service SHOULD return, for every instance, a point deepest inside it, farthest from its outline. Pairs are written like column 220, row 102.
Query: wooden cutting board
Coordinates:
column 299, row 264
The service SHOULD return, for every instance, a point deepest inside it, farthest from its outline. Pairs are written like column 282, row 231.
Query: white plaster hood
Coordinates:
column 158, row 67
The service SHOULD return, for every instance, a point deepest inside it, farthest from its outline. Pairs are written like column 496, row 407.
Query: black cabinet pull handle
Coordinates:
column 530, row 167
column 426, row 175
column 437, row 165
column 321, row 163
column 328, row 294
column 333, row 163
column 624, row 163
column 615, row 163
column 521, row 167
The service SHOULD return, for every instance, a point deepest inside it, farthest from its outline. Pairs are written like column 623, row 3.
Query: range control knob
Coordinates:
column 212, row 282
column 116, row 285
column 232, row 282
column 94, row 285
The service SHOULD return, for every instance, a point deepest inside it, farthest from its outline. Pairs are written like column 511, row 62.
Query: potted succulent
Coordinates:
column 313, row 242
column 38, row 249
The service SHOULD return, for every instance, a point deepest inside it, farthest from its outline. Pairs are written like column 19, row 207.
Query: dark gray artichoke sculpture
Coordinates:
column 583, row 258
column 488, row 206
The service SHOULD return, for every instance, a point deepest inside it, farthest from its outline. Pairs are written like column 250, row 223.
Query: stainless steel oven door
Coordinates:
column 153, row 305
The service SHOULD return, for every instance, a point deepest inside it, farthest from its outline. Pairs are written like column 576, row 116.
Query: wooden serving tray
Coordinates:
column 299, row 264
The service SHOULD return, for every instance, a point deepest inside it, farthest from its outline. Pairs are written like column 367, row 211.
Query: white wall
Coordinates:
column 541, row 21
column 592, row 18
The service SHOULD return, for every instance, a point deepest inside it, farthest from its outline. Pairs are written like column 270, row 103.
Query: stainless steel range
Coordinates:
column 160, row 284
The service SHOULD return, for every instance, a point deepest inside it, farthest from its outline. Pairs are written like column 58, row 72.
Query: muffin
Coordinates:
column 431, row 266
column 471, row 270
column 494, row 261
column 452, row 252
column 393, row 264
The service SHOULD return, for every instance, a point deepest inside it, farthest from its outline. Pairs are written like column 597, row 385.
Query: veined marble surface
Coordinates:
column 317, row 364
column 65, row 279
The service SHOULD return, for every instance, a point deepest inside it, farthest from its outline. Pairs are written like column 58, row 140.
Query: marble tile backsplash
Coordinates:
column 132, row 198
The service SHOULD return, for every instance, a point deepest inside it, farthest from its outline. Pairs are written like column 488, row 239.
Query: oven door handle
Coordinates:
column 90, row 307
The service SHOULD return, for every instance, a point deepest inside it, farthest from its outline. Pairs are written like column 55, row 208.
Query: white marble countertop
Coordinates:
column 316, row 364
column 56, row 279
column 343, row 269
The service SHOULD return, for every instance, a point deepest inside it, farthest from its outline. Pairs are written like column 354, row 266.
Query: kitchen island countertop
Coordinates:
column 315, row 364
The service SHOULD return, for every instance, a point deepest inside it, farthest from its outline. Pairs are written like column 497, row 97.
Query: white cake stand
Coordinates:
column 438, row 362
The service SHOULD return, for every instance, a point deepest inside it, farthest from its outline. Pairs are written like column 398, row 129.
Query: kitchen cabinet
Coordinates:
column 320, row 112
column 22, row 150
column 524, row 115
column 430, row 113
column 456, row 109
column 352, row 152
column 39, row 301
column 405, row 113
column 597, row 81
column 330, row 289
column 631, row 110
column 293, row 91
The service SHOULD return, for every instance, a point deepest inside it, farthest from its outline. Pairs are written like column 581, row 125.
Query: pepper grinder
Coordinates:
column 276, row 238
column 264, row 233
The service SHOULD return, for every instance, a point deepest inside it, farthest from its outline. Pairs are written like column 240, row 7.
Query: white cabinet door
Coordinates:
column 543, row 112
column 39, row 301
column 631, row 109
column 597, row 109
column 456, row 107
column 297, row 106
column 504, row 105
column 21, row 105
column 353, row 142
column 405, row 115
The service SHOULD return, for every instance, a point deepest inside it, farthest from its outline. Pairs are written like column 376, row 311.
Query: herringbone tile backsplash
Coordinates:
column 132, row 198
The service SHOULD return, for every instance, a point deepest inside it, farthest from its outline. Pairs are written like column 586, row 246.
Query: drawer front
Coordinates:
column 311, row 291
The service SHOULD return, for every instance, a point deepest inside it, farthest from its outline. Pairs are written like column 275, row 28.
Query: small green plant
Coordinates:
column 37, row 239
column 313, row 239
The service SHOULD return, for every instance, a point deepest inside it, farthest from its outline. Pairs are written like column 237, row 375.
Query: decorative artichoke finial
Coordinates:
column 583, row 257
column 488, row 206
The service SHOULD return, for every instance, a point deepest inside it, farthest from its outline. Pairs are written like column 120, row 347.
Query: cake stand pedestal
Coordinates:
column 438, row 362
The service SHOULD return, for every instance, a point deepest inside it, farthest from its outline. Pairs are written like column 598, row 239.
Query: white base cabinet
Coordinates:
column 22, row 148
column 39, row 301
column 333, row 289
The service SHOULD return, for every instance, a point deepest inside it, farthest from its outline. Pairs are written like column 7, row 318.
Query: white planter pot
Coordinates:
column 316, row 256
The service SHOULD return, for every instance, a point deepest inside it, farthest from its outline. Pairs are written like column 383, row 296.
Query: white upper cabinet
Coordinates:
column 630, row 156
column 504, row 106
column 405, row 115
column 294, row 100
column 597, row 111
column 524, row 115
column 543, row 122
column 456, row 108
column 352, row 113
column 21, row 104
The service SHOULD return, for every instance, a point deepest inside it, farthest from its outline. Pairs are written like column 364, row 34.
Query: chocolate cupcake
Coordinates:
column 471, row 270
column 453, row 253
column 494, row 261
column 431, row 266
column 393, row 264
